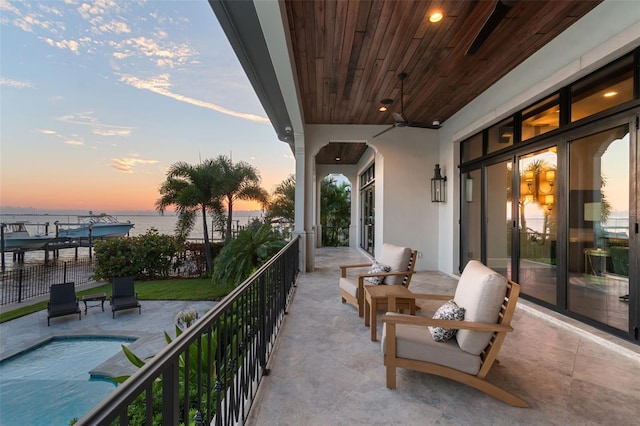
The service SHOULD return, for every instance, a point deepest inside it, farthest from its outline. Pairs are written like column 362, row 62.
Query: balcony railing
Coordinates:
column 210, row 373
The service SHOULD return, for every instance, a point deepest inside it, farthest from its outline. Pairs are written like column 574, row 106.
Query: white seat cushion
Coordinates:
column 397, row 258
column 480, row 292
column 350, row 286
column 415, row 342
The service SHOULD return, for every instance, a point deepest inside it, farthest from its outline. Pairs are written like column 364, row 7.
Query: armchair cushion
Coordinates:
column 413, row 343
column 448, row 311
column 376, row 268
column 480, row 292
column 350, row 286
column 397, row 258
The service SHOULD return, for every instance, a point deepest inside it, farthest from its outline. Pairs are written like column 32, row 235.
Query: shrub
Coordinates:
column 150, row 255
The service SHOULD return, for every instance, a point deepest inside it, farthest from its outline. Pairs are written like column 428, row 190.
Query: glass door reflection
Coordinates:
column 498, row 218
column 537, row 224
column 599, row 227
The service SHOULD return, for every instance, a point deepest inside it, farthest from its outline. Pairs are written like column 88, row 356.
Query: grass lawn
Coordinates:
column 181, row 289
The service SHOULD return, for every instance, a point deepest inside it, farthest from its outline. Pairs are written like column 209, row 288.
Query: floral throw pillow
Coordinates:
column 448, row 311
column 376, row 268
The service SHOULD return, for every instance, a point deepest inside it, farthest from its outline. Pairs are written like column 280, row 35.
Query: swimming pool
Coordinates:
column 50, row 383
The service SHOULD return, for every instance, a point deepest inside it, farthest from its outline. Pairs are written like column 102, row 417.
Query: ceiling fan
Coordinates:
column 400, row 120
column 497, row 15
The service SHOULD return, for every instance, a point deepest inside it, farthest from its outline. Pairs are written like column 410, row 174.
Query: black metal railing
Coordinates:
column 18, row 285
column 210, row 373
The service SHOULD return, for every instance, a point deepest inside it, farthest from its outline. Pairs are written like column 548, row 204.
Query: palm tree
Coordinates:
column 283, row 200
column 335, row 210
column 192, row 189
column 240, row 181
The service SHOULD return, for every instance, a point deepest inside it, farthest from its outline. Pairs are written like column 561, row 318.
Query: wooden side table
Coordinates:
column 99, row 297
column 375, row 297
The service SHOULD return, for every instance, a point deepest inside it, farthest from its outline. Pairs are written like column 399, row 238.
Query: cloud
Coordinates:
column 164, row 54
column 161, row 85
column 16, row 84
column 74, row 142
column 5, row 6
column 72, row 45
column 47, row 132
column 126, row 164
column 111, row 132
column 87, row 119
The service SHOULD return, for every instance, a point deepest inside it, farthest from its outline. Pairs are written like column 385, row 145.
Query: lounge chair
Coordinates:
column 394, row 267
column 489, row 301
column 63, row 301
column 123, row 295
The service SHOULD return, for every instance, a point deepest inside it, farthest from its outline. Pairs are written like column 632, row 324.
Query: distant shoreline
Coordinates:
column 30, row 212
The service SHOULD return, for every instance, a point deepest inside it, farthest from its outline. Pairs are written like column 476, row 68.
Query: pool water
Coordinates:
column 50, row 384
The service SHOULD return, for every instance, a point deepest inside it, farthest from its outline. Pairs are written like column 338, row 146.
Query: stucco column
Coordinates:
column 304, row 207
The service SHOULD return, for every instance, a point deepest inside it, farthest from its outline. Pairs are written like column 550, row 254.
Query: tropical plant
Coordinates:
column 283, row 201
column 248, row 251
column 239, row 181
column 335, row 210
column 202, row 363
column 193, row 189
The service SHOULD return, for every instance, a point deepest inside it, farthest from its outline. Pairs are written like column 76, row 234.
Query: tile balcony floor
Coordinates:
column 325, row 370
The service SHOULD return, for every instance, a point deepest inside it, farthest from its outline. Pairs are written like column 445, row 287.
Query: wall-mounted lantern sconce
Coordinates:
column 438, row 186
column 468, row 188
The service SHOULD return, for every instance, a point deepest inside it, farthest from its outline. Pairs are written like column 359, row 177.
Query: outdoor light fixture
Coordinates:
column 438, row 186
column 436, row 17
column 385, row 104
column 468, row 188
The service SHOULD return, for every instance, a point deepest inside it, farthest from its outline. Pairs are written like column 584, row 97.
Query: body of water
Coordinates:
column 142, row 224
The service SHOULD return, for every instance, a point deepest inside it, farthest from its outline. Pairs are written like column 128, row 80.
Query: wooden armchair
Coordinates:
column 401, row 262
column 489, row 300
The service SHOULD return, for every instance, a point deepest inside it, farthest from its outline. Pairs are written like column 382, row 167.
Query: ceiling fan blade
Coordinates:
column 424, row 125
column 385, row 131
column 498, row 14
column 399, row 117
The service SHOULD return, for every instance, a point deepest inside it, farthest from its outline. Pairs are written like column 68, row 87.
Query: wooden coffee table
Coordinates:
column 375, row 297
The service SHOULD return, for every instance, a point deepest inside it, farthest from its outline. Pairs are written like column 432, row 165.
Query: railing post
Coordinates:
column 20, row 286
column 170, row 400
column 262, row 346
column 64, row 272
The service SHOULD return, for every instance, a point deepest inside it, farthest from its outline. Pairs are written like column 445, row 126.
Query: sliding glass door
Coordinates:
column 498, row 218
column 599, row 226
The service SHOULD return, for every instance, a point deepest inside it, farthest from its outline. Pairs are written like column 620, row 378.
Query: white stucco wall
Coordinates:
column 405, row 159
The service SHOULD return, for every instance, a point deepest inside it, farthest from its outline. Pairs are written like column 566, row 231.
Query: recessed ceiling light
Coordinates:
column 385, row 104
column 610, row 94
column 436, row 17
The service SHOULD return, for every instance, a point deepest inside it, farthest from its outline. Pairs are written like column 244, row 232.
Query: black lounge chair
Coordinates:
column 123, row 295
column 63, row 301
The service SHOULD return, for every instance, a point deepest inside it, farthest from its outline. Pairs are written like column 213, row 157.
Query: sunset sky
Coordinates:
column 98, row 99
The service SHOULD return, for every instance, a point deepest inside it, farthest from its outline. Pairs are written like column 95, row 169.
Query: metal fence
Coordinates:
column 210, row 373
column 18, row 285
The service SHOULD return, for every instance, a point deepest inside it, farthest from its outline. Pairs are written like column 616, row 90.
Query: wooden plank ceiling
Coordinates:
column 349, row 53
